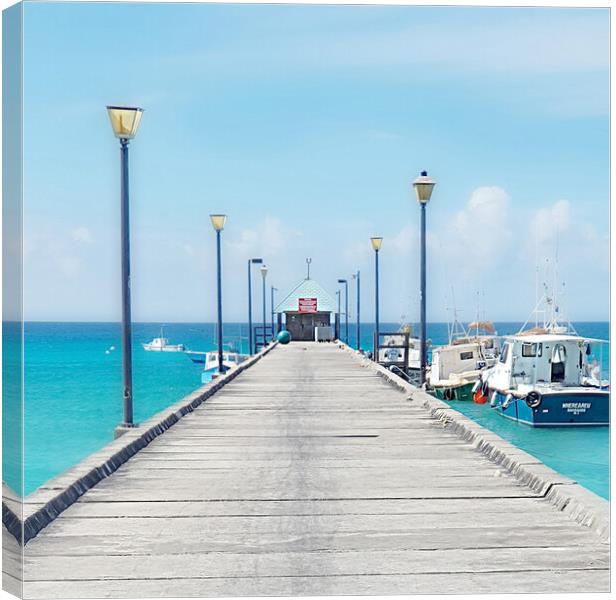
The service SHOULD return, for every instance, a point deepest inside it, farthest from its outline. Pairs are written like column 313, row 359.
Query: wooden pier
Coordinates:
column 310, row 475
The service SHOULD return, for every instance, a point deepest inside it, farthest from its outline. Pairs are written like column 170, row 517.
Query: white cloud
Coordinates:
column 517, row 44
column 357, row 252
column 597, row 246
column 82, row 234
column 479, row 233
column 271, row 237
column 549, row 223
column 189, row 249
column 406, row 240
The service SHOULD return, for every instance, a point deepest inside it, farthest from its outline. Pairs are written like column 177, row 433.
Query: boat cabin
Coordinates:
column 463, row 355
column 542, row 359
column 452, row 359
column 306, row 307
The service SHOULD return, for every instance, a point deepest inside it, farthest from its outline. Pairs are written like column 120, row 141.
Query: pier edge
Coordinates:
column 565, row 494
column 42, row 506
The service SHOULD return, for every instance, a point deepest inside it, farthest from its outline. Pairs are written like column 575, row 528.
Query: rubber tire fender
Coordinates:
column 533, row 399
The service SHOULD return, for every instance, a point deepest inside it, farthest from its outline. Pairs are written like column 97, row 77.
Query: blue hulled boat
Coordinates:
column 546, row 380
column 548, row 376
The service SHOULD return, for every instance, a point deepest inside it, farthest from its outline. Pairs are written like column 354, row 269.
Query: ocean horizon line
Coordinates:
column 257, row 322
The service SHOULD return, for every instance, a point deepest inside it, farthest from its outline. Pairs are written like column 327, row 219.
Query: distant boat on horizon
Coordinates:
column 161, row 344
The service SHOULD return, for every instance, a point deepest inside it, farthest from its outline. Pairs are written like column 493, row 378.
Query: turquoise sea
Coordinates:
column 73, row 401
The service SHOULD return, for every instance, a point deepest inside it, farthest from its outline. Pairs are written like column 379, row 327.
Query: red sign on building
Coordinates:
column 307, row 305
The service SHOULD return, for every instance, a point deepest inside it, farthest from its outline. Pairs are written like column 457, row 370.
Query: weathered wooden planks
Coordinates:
column 308, row 475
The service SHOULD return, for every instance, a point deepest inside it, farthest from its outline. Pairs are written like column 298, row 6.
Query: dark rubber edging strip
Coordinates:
column 50, row 509
column 578, row 503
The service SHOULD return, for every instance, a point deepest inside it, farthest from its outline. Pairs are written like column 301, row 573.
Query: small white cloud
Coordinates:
column 269, row 238
column 548, row 223
column 188, row 249
column 82, row 235
column 595, row 247
column 406, row 240
column 480, row 231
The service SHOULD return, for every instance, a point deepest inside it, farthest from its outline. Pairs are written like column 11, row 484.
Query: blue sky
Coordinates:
column 306, row 125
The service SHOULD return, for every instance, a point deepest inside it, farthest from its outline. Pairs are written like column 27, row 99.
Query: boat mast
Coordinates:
column 477, row 317
column 536, row 294
column 456, row 327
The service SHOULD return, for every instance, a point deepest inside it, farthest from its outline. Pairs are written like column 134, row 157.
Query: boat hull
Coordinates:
column 558, row 408
column 175, row 348
column 454, row 392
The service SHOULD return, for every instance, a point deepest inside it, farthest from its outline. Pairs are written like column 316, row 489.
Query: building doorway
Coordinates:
column 301, row 325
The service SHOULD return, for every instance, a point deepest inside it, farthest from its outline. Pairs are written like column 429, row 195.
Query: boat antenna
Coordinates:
column 536, row 279
column 456, row 327
column 447, row 310
column 477, row 317
column 308, row 261
column 536, row 311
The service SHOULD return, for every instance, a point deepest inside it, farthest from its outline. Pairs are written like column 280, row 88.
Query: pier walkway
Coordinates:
column 310, row 475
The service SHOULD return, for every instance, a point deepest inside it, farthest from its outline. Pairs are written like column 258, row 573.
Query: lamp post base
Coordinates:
column 122, row 428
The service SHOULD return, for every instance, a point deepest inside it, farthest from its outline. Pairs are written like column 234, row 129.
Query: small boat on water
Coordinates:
column 161, row 344
column 230, row 360
column 196, row 357
column 457, row 366
column 548, row 376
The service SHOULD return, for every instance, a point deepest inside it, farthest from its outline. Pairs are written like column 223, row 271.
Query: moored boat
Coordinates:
column 548, row 376
column 196, row 357
column 457, row 366
column 230, row 360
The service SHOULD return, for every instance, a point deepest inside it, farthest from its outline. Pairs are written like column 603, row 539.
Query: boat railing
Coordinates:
column 398, row 371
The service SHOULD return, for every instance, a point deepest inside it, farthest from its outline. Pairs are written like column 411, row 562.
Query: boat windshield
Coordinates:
column 505, row 353
column 596, row 362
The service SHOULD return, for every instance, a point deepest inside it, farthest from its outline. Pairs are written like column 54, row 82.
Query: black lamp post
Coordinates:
column 376, row 246
column 346, row 309
column 251, row 261
column 125, row 122
column 338, row 313
column 273, row 289
column 358, row 332
column 423, row 189
column 218, row 223
column 264, row 276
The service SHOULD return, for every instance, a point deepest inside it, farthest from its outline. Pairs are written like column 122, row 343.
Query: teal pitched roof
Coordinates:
column 308, row 288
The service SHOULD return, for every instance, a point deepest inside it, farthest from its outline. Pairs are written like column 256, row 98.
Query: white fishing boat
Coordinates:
column 548, row 376
column 231, row 359
column 195, row 356
column 457, row 366
column 161, row 344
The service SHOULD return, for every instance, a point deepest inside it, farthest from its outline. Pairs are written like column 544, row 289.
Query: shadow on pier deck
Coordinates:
column 309, row 475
